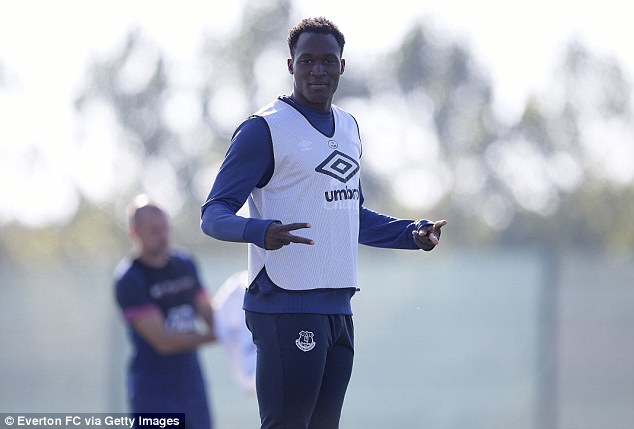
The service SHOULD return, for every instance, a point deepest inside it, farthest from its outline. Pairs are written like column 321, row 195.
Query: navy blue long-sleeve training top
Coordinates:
column 249, row 163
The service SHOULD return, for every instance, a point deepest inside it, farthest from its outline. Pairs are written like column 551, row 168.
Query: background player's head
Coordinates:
column 149, row 227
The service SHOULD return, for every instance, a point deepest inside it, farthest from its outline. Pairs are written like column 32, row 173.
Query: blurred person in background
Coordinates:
column 168, row 316
column 232, row 332
column 297, row 163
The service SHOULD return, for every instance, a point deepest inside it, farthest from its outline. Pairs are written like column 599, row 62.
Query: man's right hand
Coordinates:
column 278, row 235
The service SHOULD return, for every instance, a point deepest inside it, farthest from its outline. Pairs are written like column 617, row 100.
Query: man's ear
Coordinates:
column 343, row 65
column 289, row 64
column 132, row 232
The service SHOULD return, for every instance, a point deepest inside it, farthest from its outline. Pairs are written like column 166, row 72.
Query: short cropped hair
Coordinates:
column 314, row 25
column 141, row 204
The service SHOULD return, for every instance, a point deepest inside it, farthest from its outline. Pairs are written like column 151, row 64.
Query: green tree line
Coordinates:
column 551, row 177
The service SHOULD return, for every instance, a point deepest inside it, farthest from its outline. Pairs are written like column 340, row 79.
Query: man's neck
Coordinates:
column 154, row 261
column 325, row 108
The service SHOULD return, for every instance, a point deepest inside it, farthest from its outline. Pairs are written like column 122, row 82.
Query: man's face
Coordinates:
column 152, row 232
column 316, row 67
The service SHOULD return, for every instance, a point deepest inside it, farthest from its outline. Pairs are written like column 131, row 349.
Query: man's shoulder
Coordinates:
column 183, row 260
column 182, row 255
column 273, row 108
column 124, row 268
column 254, row 124
column 128, row 279
column 342, row 111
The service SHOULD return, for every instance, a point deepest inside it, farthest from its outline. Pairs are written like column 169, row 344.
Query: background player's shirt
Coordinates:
column 232, row 332
column 155, row 379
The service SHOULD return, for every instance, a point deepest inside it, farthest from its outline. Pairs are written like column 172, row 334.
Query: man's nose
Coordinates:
column 318, row 69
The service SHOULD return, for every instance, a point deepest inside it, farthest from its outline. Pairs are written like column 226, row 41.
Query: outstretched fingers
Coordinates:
column 428, row 236
column 279, row 235
column 286, row 229
column 434, row 233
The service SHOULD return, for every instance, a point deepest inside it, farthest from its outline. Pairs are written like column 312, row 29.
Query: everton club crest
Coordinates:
column 305, row 342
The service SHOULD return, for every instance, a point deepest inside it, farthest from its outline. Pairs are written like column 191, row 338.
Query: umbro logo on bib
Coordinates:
column 305, row 342
column 338, row 165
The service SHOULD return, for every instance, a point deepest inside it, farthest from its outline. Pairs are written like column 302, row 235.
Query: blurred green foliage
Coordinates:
column 552, row 177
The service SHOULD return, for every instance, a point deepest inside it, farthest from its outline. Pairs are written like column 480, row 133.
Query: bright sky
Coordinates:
column 45, row 46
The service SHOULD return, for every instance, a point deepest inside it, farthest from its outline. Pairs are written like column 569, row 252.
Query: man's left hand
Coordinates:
column 428, row 236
